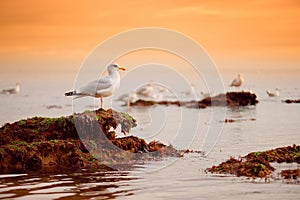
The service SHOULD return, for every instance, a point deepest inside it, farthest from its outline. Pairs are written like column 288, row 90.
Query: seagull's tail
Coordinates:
column 76, row 94
column 73, row 93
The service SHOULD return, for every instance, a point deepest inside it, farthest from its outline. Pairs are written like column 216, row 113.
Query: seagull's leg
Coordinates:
column 128, row 105
column 101, row 102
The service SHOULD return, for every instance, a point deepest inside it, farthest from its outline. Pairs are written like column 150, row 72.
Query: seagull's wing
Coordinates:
column 233, row 82
column 92, row 87
column 141, row 90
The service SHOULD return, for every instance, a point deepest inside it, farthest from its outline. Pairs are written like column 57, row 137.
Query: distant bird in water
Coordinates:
column 273, row 93
column 145, row 91
column 15, row 90
column 238, row 81
column 133, row 97
column 102, row 87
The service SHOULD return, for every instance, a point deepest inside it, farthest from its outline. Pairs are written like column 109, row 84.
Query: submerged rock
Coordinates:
column 82, row 140
column 228, row 99
column 292, row 101
column 257, row 164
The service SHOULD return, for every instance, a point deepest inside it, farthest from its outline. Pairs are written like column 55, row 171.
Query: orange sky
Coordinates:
column 236, row 33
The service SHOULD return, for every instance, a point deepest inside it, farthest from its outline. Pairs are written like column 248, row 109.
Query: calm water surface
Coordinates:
column 268, row 125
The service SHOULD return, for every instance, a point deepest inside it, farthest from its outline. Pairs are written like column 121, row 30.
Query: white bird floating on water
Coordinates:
column 273, row 93
column 145, row 91
column 133, row 97
column 149, row 91
column 102, row 87
column 15, row 90
column 238, row 81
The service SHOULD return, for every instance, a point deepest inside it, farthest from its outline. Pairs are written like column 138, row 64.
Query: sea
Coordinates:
column 269, row 124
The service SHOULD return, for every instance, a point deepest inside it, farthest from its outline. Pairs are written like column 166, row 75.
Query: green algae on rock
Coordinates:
column 72, row 142
column 257, row 164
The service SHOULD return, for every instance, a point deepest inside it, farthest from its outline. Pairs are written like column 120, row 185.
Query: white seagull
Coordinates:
column 145, row 91
column 102, row 87
column 238, row 81
column 274, row 93
column 15, row 90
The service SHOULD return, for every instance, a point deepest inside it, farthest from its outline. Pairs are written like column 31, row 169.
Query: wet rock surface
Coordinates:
column 228, row 99
column 290, row 173
column 258, row 164
column 41, row 143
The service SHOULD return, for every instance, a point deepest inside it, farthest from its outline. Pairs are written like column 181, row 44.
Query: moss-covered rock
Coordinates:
column 257, row 164
column 83, row 140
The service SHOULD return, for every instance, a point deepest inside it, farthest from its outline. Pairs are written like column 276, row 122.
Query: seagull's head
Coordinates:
column 240, row 75
column 114, row 67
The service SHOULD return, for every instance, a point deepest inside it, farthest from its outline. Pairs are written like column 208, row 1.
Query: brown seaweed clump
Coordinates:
column 257, row 164
column 41, row 143
column 239, row 167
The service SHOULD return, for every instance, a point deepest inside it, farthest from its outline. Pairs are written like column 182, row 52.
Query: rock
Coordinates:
column 292, row 101
column 290, row 174
column 257, row 164
column 249, row 168
column 41, row 143
column 229, row 120
column 228, row 99
column 231, row 99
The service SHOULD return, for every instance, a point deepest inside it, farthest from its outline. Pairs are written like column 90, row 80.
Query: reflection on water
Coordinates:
column 246, row 112
column 81, row 185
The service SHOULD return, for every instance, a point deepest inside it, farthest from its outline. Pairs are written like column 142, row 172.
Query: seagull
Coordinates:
column 145, row 91
column 102, row 87
column 15, row 90
column 274, row 93
column 163, row 89
column 237, row 82
column 133, row 97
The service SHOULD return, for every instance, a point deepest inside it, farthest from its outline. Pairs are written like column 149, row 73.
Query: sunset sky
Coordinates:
column 237, row 34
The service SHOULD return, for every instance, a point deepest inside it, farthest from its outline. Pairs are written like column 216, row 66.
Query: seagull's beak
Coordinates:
column 122, row 68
